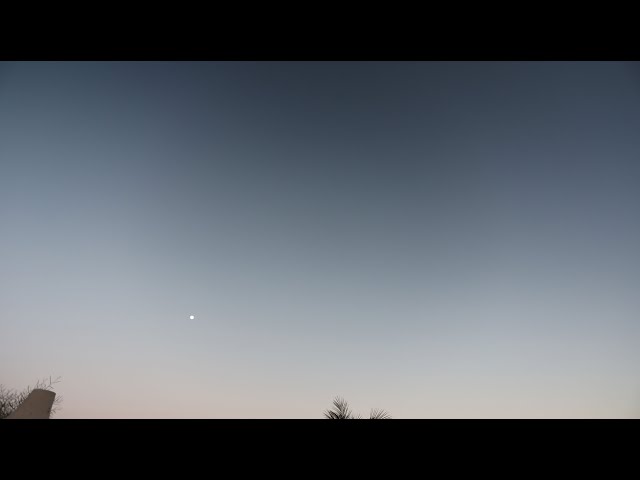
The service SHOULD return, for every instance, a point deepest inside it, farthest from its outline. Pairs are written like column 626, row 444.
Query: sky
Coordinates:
column 436, row 239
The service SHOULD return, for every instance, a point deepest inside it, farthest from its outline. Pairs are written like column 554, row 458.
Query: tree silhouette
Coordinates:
column 11, row 399
column 342, row 411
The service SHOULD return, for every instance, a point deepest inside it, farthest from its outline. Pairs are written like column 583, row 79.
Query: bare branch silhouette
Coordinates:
column 10, row 399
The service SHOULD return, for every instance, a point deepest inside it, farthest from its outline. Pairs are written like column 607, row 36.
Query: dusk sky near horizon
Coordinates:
column 436, row 239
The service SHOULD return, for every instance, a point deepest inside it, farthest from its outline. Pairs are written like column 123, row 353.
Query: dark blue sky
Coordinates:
column 437, row 239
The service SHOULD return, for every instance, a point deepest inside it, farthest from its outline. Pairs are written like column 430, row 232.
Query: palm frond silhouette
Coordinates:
column 377, row 414
column 342, row 411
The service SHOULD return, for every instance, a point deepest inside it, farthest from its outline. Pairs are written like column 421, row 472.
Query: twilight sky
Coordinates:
column 435, row 239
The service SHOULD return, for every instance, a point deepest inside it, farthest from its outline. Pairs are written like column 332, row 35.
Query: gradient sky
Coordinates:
column 435, row 239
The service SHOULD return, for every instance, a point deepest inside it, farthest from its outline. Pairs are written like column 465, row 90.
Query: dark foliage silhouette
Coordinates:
column 342, row 411
column 11, row 399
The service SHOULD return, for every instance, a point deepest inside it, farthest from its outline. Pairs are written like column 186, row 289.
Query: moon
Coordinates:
column 191, row 317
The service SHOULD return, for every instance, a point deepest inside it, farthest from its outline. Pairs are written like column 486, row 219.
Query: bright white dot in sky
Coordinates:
column 191, row 317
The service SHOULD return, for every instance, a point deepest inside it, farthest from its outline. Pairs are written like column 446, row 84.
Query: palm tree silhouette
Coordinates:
column 342, row 411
